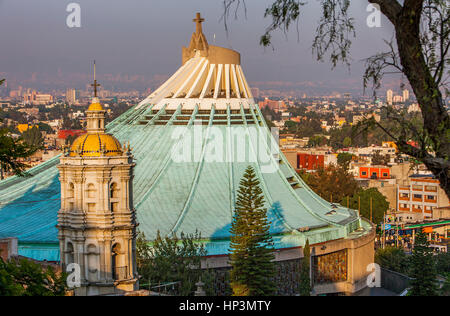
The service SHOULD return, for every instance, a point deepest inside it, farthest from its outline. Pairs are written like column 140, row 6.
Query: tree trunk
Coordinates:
column 436, row 120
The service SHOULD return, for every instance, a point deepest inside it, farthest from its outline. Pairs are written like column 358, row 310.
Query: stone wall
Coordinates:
column 394, row 281
column 286, row 278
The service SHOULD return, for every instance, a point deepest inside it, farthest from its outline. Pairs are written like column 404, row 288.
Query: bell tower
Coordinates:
column 97, row 221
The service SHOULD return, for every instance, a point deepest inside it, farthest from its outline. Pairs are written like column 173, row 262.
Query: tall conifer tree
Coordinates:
column 251, row 245
column 423, row 269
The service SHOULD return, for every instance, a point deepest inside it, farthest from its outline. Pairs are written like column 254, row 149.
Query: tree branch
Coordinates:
column 390, row 8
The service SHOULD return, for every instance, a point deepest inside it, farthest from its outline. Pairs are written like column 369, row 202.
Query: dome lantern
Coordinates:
column 96, row 142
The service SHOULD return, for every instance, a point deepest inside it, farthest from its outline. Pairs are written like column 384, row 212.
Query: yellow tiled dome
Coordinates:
column 95, row 106
column 95, row 145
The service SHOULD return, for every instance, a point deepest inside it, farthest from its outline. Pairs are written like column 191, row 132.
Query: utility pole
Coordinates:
column 396, row 228
column 359, row 205
column 383, row 242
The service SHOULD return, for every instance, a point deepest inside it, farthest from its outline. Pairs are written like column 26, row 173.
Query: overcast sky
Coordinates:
column 138, row 42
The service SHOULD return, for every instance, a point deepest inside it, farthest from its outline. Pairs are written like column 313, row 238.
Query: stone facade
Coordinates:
column 97, row 222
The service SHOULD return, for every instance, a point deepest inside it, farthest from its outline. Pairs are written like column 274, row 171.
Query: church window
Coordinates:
column 71, row 190
column 114, row 207
column 114, row 190
column 69, row 253
column 91, row 191
column 119, row 271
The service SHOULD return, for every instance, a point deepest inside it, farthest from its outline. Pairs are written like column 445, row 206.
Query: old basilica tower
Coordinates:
column 96, row 222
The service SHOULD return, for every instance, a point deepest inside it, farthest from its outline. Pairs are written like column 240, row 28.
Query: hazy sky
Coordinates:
column 138, row 42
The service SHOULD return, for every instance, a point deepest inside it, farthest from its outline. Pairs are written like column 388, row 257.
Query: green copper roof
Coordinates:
column 188, row 195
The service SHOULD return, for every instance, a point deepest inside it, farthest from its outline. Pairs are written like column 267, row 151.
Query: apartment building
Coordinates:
column 421, row 196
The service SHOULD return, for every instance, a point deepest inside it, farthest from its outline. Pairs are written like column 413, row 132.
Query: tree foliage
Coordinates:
column 393, row 259
column 380, row 160
column 26, row 278
column 332, row 183
column 344, row 159
column 172, row 259
column 12, row 151
column 379, row 204
column 251, row 246
column 33, row 137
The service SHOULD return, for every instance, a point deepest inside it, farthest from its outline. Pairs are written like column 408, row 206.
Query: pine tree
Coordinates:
column 251, row 247
column 305, row 280
column 423, row 269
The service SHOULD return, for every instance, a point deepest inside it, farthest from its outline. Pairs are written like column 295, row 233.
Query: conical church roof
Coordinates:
column 192, row 139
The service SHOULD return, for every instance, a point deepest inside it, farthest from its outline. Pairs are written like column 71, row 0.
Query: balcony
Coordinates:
column 121, row 273
column 430, row 189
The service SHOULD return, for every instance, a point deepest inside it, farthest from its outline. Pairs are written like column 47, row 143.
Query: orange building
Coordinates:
column 374, row 172
column 422, row 195
column 310, row 161
column 272, row 104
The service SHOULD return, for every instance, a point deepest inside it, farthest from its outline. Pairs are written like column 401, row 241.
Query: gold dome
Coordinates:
column 96, row 145
column 95, row 106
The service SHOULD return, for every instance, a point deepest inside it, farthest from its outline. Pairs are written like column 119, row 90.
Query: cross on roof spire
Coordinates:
column 198, row 23
column 95, row 84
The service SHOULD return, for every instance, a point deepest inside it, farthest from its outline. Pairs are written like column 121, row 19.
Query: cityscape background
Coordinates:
column 136, row 46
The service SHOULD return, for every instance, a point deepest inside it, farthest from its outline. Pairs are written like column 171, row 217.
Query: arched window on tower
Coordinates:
column 70, row 191
column 119, row 271
column 69, row 253
column 91, row 191
column 92, row 262
column 114, row 195
column 114, row 191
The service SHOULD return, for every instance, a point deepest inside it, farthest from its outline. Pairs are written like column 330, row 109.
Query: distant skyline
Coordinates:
column 137, row 44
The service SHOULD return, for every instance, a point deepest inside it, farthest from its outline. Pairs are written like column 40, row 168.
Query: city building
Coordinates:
column 309, row 160
column 389, row 97
column 35, row 98
column 183, row 184
column 273, row 105
column 405, row 95
column 72, row 96
column 374, row 172
column 421, row 196
column 24, row 127
column 398, row 99
column 414, row 108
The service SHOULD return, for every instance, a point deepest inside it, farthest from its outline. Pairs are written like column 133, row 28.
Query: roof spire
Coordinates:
column 95, row 84
column 198, row 23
